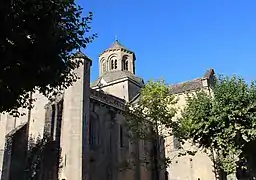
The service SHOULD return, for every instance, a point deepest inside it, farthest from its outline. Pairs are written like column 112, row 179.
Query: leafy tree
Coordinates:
column 37, row 40
column 30, row 159
column 148, row 117
column 43, row 159
column 223, row 121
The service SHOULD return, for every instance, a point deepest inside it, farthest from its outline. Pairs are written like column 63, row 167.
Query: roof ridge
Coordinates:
column 116, row 43
column 183, row 82
column 207, row 75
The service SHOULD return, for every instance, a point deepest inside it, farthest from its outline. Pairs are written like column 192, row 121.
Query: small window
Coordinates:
column 53, row 120
column 59, row 115
column 112, row 64
column 125, row 63
column 60, row 110
column 121, row 136
column 115, row 64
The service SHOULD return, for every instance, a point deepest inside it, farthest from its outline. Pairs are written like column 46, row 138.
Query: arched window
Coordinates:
column 112, row 64
column 115, row 64
column 125, row 63
column 112, row 60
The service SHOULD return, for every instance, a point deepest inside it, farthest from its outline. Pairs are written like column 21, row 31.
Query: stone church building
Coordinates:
column 86, row 122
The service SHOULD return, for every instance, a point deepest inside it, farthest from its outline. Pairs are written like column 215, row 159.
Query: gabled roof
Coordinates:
column 194, row 84
column 209, row 73
column 186, row 86
column 111, row 76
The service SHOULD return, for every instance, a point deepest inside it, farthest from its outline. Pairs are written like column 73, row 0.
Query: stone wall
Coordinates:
column 199, row 166
column 15, row 153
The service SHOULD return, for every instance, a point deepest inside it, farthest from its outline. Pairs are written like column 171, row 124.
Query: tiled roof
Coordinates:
column 79, row 54
column 194, row 84
column 117, row 46
column 209, row 73
column 116, row 75
column 186, row 86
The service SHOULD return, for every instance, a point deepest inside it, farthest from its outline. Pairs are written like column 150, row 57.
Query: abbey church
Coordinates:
column 86, row 122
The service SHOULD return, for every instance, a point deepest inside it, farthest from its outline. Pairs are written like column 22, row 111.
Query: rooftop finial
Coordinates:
column 116, row 38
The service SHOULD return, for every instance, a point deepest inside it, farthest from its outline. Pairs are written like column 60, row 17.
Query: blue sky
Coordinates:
column 178, row 39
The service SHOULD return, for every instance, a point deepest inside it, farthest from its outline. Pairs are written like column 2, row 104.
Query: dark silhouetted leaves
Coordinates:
column 37, row 40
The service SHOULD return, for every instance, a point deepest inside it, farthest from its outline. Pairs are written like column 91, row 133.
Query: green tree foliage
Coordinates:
column 154, row 107
column 147, row 117
column 37, row 40
column 224, row 120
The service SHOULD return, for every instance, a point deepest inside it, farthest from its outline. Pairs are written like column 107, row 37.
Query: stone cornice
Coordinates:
column 107, row 99
column 116, row 49
column 116, row 82
column 99, row 96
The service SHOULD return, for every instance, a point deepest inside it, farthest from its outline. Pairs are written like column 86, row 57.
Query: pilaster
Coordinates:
column 74, row 135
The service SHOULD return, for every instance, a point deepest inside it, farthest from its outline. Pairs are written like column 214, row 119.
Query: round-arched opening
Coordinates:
column 113, row 61
column 125, row 63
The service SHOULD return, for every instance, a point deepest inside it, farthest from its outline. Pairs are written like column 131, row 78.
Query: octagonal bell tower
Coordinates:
column 117, row 73
column 116, row 58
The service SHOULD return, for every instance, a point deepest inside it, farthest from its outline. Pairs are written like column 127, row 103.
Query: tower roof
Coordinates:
column 116, row 45
column 79, row 54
